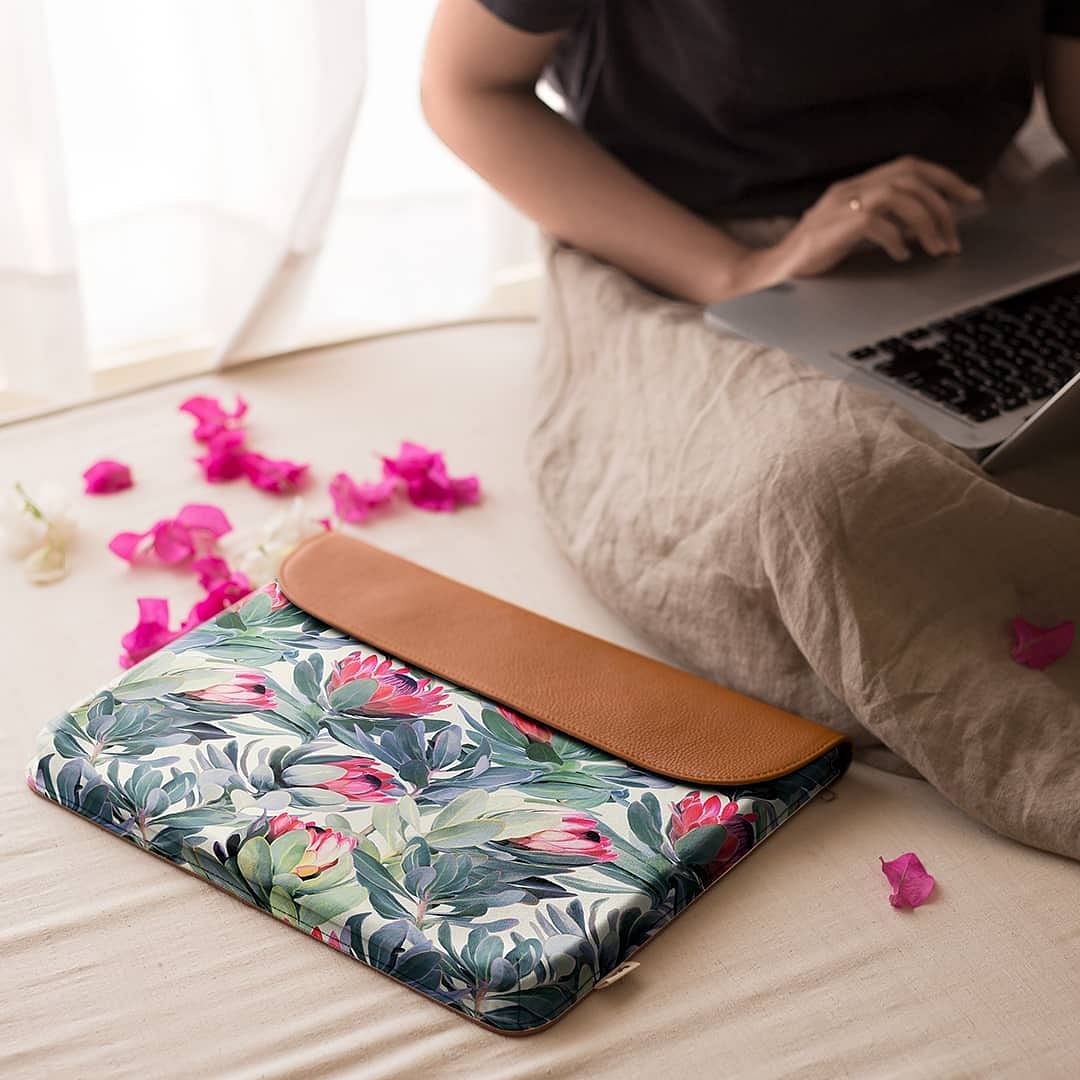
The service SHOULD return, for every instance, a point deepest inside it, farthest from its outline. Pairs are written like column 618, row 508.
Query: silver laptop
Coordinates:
column 982, row 347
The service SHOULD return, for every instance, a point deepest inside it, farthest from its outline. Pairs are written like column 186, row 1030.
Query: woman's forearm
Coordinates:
column 580, row 193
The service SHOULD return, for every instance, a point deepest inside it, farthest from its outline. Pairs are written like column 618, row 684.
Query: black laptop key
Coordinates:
column 982, row 413
column 938, row 393
column 1019, row 349
column 908, row 360
column 892, row 345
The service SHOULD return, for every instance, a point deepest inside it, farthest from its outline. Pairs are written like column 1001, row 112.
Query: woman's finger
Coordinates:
column 945, row 180
column 887, row 235
column 912, row 212
column 938, row 206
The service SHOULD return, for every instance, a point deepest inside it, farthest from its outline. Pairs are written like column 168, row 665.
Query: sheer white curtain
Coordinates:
column 159, row 160
column 415, row 237
column 168, row 174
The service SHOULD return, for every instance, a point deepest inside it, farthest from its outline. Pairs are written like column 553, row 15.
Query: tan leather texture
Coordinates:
column 643, row 711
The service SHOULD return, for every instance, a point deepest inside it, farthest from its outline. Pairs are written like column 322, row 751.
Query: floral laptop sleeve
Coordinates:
column 497, row 866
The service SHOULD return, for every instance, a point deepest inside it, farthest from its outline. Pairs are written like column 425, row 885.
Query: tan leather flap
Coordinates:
column 643, row 711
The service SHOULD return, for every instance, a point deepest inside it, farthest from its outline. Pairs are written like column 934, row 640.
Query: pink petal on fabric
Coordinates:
column 150, row 633
column 466, row 489
column 1038, row 647
column 910, row 882
column 224, row 457
column 192, row 532
column 428, row 484
column 354, row 502
column 204, row 516
column 173, row 542
column 106, row 477
column 432, row 491
column 212, row 570
column 126, row 544
column 440, row 492
column 211, row 415
column 280, row 477
column 221, row 596
column 412, row 461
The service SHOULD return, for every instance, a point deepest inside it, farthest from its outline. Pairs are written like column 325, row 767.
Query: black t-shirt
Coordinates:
column 741, row 108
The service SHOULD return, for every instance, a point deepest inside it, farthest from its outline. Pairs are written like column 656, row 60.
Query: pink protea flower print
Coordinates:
column 332, row 939
column 363, row 781
column 578, row 835
column 284, row 823
column 325, row 846
column 533, row 731
column 399, row 694
column 247, row 688
column 691, row 813
column 324, row 849
column 277, row 598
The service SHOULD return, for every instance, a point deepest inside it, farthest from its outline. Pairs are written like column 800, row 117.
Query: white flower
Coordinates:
column 259, row 552
column 39, row 530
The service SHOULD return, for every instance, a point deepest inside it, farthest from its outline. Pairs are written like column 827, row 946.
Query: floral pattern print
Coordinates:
column 533, row 731
column 482, row 858
column 396, row 692
column 576, row 834
column 246, row 688
column 360, row 781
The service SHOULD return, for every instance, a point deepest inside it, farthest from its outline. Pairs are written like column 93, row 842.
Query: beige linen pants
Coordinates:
column 808, row 543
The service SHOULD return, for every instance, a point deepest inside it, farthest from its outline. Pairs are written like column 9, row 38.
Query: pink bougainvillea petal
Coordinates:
column 466, row 489
column 106, row 477
column 150, row 633
column 224, row 457
column 280, row 477
column 354, row 502
column 212, row 570
column 428, row 484
column 1038, row 647
column 211, row 415
column 235, row 587
column 228, row 456
column 431, row 492
column 126, row 544
column 204, row 516
column 413, row 460
column 442, row 493
column 910, row 882
column 173, row 542
column 191, row 533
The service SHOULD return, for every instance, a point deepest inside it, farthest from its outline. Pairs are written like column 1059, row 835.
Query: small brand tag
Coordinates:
column 620, row 972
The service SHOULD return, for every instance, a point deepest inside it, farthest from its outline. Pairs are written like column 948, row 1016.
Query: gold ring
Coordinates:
column 855, row 203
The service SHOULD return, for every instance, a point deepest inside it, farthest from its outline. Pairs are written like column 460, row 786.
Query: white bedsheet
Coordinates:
column 795, row 965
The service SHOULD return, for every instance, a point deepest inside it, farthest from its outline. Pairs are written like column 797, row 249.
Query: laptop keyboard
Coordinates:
column 991, row 359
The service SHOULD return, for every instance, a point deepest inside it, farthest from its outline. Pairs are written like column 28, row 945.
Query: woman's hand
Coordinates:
column 904, row 201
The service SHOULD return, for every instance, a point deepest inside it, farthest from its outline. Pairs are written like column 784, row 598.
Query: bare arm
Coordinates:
column 478, row 96
column 478, row 93
column 1061, row 83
